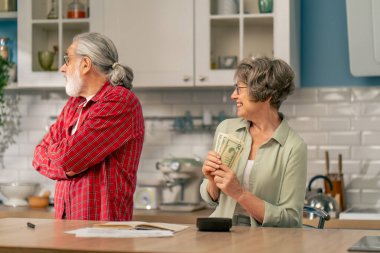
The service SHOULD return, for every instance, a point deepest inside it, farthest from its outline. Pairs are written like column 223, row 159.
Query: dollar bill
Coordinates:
column 229, row 148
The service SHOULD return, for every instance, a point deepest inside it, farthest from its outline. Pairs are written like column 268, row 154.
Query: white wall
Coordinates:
column 344, row 120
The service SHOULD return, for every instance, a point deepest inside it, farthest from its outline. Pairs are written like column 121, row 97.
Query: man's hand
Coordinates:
column 70, row 173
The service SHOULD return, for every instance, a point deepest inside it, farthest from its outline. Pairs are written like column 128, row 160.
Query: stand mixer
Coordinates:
column 182, row 178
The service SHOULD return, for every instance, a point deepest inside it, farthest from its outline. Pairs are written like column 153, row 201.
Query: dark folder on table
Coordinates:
column 367, row 243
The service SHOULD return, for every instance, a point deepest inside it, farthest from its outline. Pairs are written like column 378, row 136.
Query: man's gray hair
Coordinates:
column 103, row 54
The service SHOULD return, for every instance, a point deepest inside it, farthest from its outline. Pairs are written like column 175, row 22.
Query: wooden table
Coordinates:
column 49, row 236
column 177, row 217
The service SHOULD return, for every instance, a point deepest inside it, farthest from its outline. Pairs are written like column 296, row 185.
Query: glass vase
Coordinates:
column 265, row 6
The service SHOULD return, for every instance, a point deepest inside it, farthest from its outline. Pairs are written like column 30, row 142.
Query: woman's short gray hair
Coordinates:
column 266, row 78
column 103, row 54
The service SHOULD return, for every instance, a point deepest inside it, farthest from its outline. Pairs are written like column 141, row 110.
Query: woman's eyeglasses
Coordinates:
column 237, row 88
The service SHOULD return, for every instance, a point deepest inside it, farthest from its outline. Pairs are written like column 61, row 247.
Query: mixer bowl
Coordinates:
column 46, row 58
column 16, row 193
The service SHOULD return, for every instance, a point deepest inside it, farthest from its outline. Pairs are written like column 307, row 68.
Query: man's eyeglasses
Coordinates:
column 66, row 59
column 237, row 88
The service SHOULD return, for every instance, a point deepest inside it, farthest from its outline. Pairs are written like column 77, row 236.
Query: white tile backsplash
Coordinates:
column 177, row 97
column 366, row 94
column 311, row 110
column 365, row 152
column 303, row 123
column 370, row 137
column 344, row 138
column 341, row 120
column 371, row 109
column 334, row 95
column 345, row 109
column 331, row 124
column 365, row 123
column 314, row 138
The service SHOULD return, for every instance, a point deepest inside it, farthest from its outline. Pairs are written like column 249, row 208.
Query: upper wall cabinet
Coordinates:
column 168, row 43
column 171, row 43
column 155, row 38
column 363, row 23
column 45, row 31
column 226, row 31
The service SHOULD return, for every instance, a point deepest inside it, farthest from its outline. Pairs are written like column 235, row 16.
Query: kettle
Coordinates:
column 320, row 200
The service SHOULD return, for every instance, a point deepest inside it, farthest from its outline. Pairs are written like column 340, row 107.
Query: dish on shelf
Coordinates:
column 16, row 193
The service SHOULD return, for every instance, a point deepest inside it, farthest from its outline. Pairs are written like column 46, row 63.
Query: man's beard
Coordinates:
column 74, row 83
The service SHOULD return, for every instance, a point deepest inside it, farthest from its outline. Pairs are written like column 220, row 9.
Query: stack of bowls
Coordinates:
column 17, row 193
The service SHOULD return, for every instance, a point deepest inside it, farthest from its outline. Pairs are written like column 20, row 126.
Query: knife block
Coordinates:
column 338, row 189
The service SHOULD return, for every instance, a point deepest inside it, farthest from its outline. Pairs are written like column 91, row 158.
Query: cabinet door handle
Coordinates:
column 186, row 78
column 202, row 78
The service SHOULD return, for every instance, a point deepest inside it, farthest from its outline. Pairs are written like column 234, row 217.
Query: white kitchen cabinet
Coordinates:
column 38, row 33
column 155, row 38
column 171, row 43
column 168, row 43
column 222, row 37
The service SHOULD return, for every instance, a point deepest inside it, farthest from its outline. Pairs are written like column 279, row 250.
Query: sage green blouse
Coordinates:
column 278, row 176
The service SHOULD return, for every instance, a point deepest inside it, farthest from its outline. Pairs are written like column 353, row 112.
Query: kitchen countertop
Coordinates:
column 177, row 217
column 48, row 236
column 26, row 212
column 145, row 215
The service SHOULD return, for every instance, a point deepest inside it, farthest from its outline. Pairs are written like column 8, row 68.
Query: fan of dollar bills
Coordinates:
column 229, row 148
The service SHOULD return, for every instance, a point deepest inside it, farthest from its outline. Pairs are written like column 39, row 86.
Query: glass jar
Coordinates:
column 4, row 49
column 265, row 6
column 53, row 13
column 76, row 10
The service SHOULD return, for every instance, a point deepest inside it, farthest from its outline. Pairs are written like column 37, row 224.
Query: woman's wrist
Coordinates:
column 213, row 190
column 241, row 195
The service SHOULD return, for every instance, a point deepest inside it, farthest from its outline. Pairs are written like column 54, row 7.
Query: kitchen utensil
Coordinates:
column 46, row 58
column 16, row 193
column 338, row 185
column 327, row 160
column 322, row 201
column 38, row 201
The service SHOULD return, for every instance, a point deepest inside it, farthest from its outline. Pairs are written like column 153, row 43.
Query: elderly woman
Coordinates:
column 266, row 187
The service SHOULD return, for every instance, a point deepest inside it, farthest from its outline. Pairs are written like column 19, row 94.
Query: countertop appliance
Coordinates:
column 185, row 174
column 322, row 201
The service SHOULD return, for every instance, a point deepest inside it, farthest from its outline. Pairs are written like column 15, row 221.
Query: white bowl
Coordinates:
column 16, row 193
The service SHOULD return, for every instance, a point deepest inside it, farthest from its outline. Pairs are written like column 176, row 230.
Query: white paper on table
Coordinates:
column 118, row 233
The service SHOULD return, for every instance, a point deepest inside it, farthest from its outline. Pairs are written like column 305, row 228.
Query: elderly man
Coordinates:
column 94, row 147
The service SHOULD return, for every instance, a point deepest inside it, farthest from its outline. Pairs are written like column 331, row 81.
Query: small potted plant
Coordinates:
column 9, row 113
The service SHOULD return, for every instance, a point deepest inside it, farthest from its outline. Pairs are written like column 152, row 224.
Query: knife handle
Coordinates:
column 327, row 160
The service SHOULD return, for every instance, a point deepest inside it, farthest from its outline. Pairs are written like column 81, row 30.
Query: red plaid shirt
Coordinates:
column 104, row 153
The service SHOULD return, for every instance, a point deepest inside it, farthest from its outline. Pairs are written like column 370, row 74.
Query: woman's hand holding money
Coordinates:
column 211, row 164
column 225, row 179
